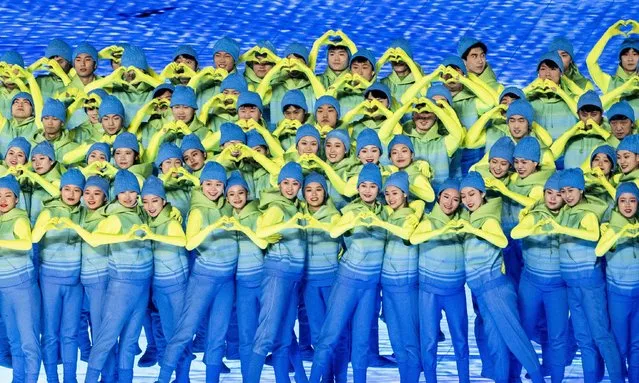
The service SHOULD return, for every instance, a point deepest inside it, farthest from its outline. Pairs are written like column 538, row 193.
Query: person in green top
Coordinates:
column 473, row 52
column 628, row 160
column 85, row 63
column 402, row 77
column 339, row 49
column 54, row 117
column 8, row 87
column 621, row 118
column 564, row 47
column 22, row 120
column 57, row 79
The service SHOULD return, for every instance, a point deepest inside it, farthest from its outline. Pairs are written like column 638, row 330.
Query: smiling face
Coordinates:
column 307, row 145
column 602, row 161
column 41, row 163
column 96, row 155
column 553, row 200
column 335, row 150
column 124, row 157
column 169, row 164
column 424, row 121
column 289, row 187
column 128, row 198
column 94, row 198
column 401, row 156
column 518, row 126
column 8, row 200
column 627, row 161
column 498, row 167
column 449, row 200
column 223, row 60
column 472, row 198
column 314, row 194
column 368, row 191
column 15, row 156
column 395, row 197
column 71, row 195
column 369, row 154
column 153, row 205
column 237, row 197
column 213, row 189
column 183, row 113
column 571, row 196
column 525, row 167
column 627, row 203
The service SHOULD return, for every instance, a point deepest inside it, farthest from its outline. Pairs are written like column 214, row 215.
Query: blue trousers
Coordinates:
column 552, row 303
column 248, row 312
column 624, row 318
column 61, row 308
column 20, row 307
column 592, row 330
column 122, row 316
column 5, row 347
column 204, row 296
column 402, row 318
column 96, row 297
column 348, row 301
column 430, row 316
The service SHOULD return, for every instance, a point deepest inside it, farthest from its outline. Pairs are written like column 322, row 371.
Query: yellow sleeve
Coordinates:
column 22, row 234
column 40, row 227
column 175, row 235
column 600, row 78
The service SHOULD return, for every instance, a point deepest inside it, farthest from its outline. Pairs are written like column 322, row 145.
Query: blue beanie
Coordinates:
column 235, row 179
column 380, row 87
column 54, row 108
column 514, row 91
column 316, row 177
column 134, row 56
column 100, row 183
column 297, row 49
column 167, row 150
column 364, row 53
column 44, row 148
column 163, row 87
column 234, row 81
column 99, row 92
column 11, row 183
column 398, row 179
column 368, row 137
column 213, row 171
column 294, row 97
column 622, row 108
column 102, row 147
column 253, row 139
column 562, row 44
column 228, row 45
column 449, row 183
column 125, row 181
column 307, row 130
column 629, row 143
column 111, row 105
column 268, row 45
column 341, row 135
column 185, row 50
column 58, row 47
column 438, row 89
column 502, row 148
column 192, row 141
column 184, row 96
column 291, row 170
column 72, row 177
column 250, row 98
column 24, row 95
column 20, row 143
column 528, row 148
column 400, row 139
column 404, row 45
column 231, row 132
column 473, row 180
column 551, row 56
column 370, row 173
column 629, row 43
column 12, row 58
column 523, row 108
column 608, row 151
column 572, row 178
column 627, row 187
column 87, row 49
column 589, row 98
column 553, row 182
column 455, row 61
column 153, row 186
column 126, row 140
column 328, row 100
column 467, row 42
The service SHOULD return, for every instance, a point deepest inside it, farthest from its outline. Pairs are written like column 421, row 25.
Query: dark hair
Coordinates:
column 590, row 108
column 361, row 60
column 377, row 94
column 478, row 44
column 338, row 47
column 551, row 64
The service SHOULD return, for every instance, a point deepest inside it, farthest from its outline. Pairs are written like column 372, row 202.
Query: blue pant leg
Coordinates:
column 513, row 260
column 400, row 311
column 373, row 340
column 496, row 348
column 96, row 296
column 233, row 336
column 457, row 317
column 364, row 309
column 487, row 362
column 633, row 354
column 429, row 318
column 304, row 338
column 5, row 348
column 51, row 320
column 248, row 311
column 219, row 318
column 84, row 341
column 530, row 307
column 130, row 333
column 619, row 309
column 69, row 328
column 556, row 313
column 582, row 334
column 316, row 310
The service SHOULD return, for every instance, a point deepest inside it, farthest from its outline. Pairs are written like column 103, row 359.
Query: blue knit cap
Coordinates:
column 234, row 81
column 162, row 87
column 316, row 177
column 235, row 179
column 328, row 100
column 87, row 49
column 231, row 132
column 368, row 137
column 404, row 45
column 455, row 61
column 398, row 179
column 473, row 180
column 73, row 177
column 228, row 45
column 438, row 89
column 341, row 135
column 153, row 186
column 589, row 98
column 99, row 92
column 291, row 170
column 553, row 182
column 298, row 50
column 380, row 87
column 551, row 56
column 449, row 183
column 12, row 58
column 608, row 151
column 102, row 147
column 629, row 143
column 44, row 148
column 185, row 50
column 307, row 130
column 514, row 91
column 54, row 108
column 400, row 139
column 58, row 47
column 627, row 187
column 134, row 56
column 523, row 108
column 100, row 183
column 572, row 178
column 20, row 143
column 110, row 105
column 502, row 148
column 213, row 171
column 528, row 148
column 562, row 44
column 622, row 108
column 167, row 150
column 24, row 95
column 126, row 140
column 250, row 98
column 467, row 42
column 294, row 97
column 192, row 141
column 365, row 53
column 268, row 45
column 184, row 96
column 125, row 181
column 629, row 43
column 370, row 173
column 10, row 182
column 253, row 139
